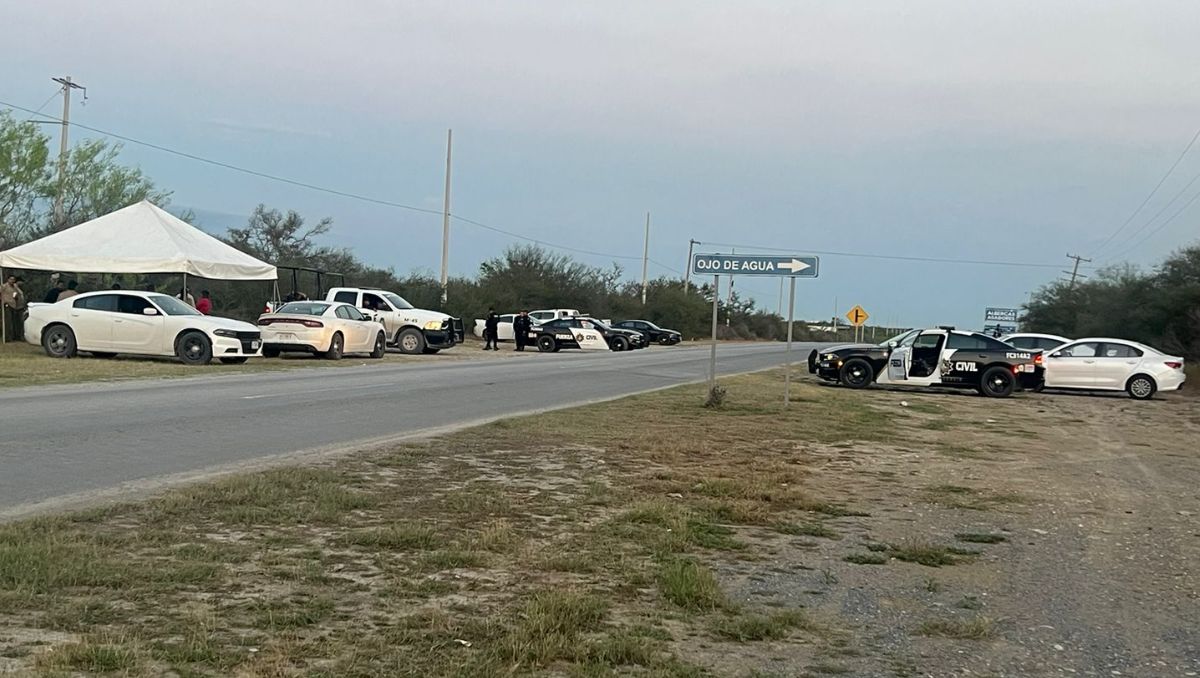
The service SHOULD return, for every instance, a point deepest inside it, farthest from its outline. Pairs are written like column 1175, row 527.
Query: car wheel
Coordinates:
column 857, row 373
column 380, row 346
column 620, row 344
column 335, row 347
column 59, row 342
column 411, row 341
column 194, row 348
column 270, row 353
column 665, row 341
column 102, row 354
column 546, row 344
column 240, row 360
column 1141, row 387
column 997, row 382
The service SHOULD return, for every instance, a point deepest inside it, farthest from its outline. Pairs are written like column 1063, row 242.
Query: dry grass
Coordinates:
column 488, row 552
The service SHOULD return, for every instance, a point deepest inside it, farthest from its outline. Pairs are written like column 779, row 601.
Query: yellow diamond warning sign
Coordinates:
column 857, row 316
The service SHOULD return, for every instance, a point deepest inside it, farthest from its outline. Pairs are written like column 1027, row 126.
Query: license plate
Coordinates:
column 285, row 335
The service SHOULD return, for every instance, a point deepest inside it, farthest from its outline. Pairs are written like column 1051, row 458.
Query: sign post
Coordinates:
column 791, row 266
column 787, row 361
column 857, row 317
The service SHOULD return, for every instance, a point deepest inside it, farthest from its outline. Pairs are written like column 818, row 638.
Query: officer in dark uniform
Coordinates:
column 521, row 326
column 489, row 331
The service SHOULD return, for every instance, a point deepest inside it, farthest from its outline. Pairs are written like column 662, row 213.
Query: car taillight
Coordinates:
column 264, row 321
column 312, row 323
column 1016, row 369
column 1037, row 359
column 1174, row 365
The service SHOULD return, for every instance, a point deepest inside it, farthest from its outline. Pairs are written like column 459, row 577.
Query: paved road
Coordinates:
column 66, row 444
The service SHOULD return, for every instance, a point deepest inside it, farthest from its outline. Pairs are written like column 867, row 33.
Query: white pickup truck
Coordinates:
column 412, row 330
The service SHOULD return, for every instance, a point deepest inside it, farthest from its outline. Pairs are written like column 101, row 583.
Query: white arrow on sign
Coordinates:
column 794, row 266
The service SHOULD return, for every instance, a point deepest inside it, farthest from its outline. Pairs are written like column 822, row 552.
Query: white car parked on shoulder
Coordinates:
column 1104, row 364
column 1031, row 341
column 138, row 323
column 327, row 328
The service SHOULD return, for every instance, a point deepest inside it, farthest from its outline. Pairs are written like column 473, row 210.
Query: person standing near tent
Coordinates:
column 186, row 297
column 69, row 292
column 521, row 326
column 205, row 303
column 57, row 287
column 490, row 326
column 12, row 298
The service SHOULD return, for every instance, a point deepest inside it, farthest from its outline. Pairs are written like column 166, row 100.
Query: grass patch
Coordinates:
column 976, row 628
column 690, row 585
column 806, row 530
column 754, row 627
column 395, row 538
column 980, row 537
column 866, row 558
column 929, row 555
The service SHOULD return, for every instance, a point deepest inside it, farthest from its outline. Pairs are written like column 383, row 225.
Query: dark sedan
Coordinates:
column 653, row 333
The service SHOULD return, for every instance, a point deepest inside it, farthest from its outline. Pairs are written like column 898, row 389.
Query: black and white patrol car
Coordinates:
column 940, row 356
column 583, row 333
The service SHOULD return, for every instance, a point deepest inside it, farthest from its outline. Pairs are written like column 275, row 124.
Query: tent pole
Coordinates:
column 3, row 316
column 183, row 293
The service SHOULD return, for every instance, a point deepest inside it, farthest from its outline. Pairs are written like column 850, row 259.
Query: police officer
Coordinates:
column 489, row 330
column 521, row 326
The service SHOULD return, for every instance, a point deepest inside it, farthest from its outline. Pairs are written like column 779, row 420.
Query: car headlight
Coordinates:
column 226, row 333
column 829, row 356
column 433, row 325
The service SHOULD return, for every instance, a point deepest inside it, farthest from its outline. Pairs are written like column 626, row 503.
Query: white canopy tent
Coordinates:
column 141, row 238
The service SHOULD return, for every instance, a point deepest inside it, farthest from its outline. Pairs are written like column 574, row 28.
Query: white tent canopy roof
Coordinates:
column 141, row 238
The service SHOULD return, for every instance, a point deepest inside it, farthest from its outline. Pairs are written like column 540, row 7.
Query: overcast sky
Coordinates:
column 1007, row 131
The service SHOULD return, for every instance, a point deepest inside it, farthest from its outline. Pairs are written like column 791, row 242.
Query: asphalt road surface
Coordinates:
column 69, row 445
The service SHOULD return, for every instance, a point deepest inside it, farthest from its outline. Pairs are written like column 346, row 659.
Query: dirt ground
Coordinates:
column 860, row 533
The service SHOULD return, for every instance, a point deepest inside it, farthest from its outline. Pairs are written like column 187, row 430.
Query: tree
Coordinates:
column 282, row 239
column 24, row 152
column 96, row 184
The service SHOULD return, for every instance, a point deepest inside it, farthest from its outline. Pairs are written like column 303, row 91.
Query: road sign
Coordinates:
column 999, row 315
column 800, row 266
column 857, row 316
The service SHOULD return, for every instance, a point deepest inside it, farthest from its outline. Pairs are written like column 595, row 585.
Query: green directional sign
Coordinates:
column 789, row 265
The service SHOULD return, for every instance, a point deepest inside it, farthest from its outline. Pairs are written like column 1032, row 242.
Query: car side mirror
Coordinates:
column 1056, row 354
column 149, row 311
column 893, row 344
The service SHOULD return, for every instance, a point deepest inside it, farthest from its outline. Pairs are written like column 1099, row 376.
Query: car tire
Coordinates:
column 857, row 373
column 997, row 382
column 103, row 354
column 411, row 341
column 193, row 348
column 665, row 341
column 336, row 345
column 620, row 344
column 270, row 353
column 1141, row 387
column 547, row 344
column 59, row 342
column 380, row 346
column 239, row 360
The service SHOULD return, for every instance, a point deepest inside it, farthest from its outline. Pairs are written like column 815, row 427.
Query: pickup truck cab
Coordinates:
column 412, row 330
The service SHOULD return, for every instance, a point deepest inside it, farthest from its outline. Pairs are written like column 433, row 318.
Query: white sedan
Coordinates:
column 138, row 323
column 327, row 328
column 504, row 328
column 1032, row 341
column 1103, row 364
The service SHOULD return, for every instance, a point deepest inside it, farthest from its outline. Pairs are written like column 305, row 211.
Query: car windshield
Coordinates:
column 597, row 323
column 899, row 338
column 304, row 308
column 397, row 301
column 172, row 306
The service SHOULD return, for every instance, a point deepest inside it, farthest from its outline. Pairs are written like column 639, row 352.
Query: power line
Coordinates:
column 323, row 189
column 1129, row 238
column 896, row 257
column 1160, row 226
column 1152, row 193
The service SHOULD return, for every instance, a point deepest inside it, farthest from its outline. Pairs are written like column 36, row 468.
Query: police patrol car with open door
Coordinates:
column 940, row 356
column 583, row 333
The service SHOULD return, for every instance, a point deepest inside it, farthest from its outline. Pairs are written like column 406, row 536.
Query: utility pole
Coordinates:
column 446, row 221
column 67, row 86
column 645, row 258
column 687, row 270
column 1074, row 272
